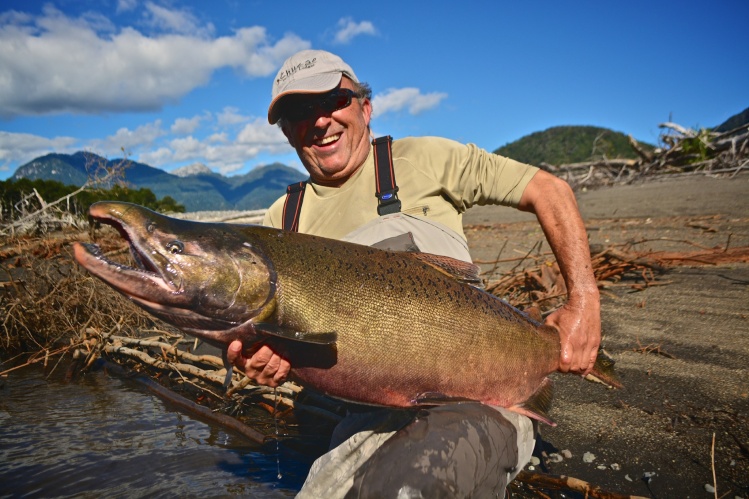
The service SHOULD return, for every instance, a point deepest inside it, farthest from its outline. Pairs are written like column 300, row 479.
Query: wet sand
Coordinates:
column 654, row 437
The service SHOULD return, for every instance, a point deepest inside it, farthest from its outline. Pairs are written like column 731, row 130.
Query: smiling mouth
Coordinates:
column 328, row 140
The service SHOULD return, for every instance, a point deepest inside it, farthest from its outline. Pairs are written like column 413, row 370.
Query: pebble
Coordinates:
column 535, row 461
column 615, row 466
column 627, row 478
column 567, row 454
column 601, row 466
column 555, row 458
column 589, row 457
column 709, row 488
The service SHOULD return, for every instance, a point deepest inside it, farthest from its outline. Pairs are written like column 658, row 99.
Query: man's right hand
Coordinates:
column 265, row 366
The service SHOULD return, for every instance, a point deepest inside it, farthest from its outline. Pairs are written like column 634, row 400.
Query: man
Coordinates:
column 325, row 113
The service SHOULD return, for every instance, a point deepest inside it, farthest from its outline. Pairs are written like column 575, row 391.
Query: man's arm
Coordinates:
column 579, row 320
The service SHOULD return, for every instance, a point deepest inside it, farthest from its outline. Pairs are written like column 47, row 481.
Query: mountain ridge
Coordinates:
column 200, row 191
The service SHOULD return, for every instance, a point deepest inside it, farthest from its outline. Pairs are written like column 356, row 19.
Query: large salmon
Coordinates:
column 357, row 323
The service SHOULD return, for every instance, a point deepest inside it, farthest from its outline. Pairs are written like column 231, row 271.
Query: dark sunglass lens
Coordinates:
column 295, row 111
column 335, row 101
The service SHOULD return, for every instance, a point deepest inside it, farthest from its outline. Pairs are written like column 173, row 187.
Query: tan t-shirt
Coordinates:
column 438, row 179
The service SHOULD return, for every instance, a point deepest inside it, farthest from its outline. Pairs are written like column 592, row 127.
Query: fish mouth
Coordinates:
column 149, row 272
column 148, row 283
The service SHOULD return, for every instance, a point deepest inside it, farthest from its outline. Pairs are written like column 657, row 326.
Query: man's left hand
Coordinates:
column 579, row 326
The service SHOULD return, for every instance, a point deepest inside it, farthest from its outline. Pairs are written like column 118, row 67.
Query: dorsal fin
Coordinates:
column 457, row 269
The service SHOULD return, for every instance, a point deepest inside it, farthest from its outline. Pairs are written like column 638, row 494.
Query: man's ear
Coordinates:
column 366, row 106
column 286, row 132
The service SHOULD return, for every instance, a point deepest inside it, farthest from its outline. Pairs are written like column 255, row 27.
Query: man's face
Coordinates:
column 332, row 146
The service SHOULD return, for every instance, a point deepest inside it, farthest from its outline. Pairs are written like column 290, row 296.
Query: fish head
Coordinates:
column 198, row 276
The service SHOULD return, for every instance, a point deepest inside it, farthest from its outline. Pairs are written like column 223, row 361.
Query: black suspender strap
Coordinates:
column 387, row 191
column 292, row 206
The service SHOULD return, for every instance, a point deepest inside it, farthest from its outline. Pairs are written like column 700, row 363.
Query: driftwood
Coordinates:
column 562, row 482
column 202, row 412
column 540, row 284
column 683, row 152
column 47, row 215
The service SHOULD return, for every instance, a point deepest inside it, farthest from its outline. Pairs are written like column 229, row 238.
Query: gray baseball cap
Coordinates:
column 307, row 72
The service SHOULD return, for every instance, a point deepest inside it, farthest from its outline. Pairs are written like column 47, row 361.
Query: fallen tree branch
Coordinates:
column 202, row 412
column 563, row 482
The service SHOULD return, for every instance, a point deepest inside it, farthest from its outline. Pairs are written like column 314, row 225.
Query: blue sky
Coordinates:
column 175, row 82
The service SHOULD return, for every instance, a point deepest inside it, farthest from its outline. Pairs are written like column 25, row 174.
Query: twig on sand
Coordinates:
column 563, row 482
column 712, row 461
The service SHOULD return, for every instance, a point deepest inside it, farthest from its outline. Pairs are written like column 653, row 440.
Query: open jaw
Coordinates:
column 146, row 284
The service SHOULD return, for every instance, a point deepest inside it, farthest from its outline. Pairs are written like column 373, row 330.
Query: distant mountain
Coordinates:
column 570, row 144
column 734, row 121
column 196, row 187
column 193, row 169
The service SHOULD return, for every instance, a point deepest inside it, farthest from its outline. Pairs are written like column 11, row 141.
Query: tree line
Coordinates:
column 24, row 195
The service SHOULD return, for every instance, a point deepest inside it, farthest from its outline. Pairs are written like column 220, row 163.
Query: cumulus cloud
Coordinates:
column 131, row 141
column 348, row 29
column 220, row 151
column 230, row 116
column 19, row 148
column 55, row 63
column 186, row 126
column 411, row 99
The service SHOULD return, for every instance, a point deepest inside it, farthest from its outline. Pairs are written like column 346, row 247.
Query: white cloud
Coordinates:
column 348, row 29
column 131, row 141
column 230, row 116
column 19, row 148
column 219, row 151
column 186, row 126
column 54, row 63
column 126, row 5
column 412, row 99
column 175, row 21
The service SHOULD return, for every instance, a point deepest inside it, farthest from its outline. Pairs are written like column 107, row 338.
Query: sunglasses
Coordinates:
column 302, row 109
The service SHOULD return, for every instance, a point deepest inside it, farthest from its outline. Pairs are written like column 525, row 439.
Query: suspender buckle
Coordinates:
column 388, row 202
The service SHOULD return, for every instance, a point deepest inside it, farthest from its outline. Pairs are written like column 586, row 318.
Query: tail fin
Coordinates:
column 603, row 370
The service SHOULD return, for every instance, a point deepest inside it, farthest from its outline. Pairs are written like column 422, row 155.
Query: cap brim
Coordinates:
column 313, row 85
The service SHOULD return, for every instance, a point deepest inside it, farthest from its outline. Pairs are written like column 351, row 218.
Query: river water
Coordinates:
column 101, row 436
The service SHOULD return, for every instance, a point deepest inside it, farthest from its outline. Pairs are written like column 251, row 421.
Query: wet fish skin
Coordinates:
column 357, row 323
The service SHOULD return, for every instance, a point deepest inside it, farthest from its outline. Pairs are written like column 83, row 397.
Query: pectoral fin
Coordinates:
column 288, row 333
column 538, row 404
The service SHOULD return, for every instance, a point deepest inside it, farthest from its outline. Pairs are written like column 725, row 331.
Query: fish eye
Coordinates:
column 175, row 247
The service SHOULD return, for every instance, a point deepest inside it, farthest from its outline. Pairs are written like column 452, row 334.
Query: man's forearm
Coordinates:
column 578, row 321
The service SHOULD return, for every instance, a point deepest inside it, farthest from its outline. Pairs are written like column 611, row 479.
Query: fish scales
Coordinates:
column 428, row 332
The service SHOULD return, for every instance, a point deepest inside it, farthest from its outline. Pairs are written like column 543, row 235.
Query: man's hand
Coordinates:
column 265, row 366
column 579, row 326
